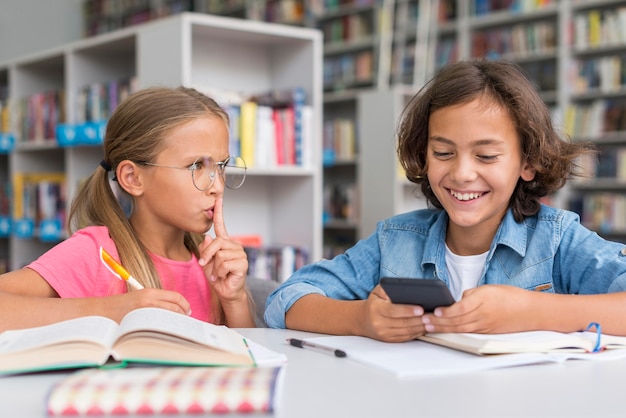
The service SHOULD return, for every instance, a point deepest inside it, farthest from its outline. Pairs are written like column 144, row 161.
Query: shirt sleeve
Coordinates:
column 588, row 263
column 73, row 267
column 349, row 276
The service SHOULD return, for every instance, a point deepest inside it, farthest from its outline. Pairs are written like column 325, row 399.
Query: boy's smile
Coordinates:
column 474, row 163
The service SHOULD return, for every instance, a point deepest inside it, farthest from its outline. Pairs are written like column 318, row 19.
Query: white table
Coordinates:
column 317, row 384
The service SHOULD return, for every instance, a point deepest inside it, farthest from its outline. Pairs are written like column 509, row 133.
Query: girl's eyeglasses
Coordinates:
column 203, row 169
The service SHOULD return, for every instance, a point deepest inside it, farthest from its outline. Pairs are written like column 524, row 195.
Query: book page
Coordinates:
column 418, row 358
column 170, row 323
column 96, row 329
column 530, row 341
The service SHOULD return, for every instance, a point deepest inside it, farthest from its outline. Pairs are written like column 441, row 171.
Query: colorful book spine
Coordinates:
column 248, row 113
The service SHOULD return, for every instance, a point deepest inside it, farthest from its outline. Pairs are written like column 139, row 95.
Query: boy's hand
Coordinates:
column 385, row 321
column 485, row 309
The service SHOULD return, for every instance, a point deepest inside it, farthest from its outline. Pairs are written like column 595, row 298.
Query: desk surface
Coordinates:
column 318, row 384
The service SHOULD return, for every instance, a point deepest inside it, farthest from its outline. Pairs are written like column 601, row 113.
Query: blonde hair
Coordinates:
column 136, row 132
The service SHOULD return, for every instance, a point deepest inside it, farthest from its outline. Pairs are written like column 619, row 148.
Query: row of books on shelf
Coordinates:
column 322, row 7
column 348, row 70
column 605, row 74
column 5, row 209
column 518, row 40
column 96, row 102
column 42, row 115
column 592, row 120
column 339, row 140
column 403, row 61
column 602, row 212
column 600, row 28
column 610, row 163
column 278, row 11
column 39, row 114
column 94, row 105
column 4, row 110
column 271, row 262
column 341, row 203
column 39, row 206
column 483, row 7
column 267, row 130
column 220, row 7
column 275, row 263
column 101, row 16
column 270, row 129
column 348, row 28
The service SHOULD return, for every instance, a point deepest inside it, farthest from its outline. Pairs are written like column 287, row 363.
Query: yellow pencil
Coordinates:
column 117, row 269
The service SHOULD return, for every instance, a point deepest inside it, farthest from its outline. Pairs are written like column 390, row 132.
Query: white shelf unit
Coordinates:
column 384, row 190
column 282, row 205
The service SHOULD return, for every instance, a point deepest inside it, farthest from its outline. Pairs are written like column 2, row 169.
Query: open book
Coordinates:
column 146, row 335
column 418, row 358
column 527, row 342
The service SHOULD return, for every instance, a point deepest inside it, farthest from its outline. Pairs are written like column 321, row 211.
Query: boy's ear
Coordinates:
column 528, row 172
column 129, row 177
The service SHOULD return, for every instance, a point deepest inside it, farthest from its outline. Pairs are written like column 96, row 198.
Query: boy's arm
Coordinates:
column 503, row 309
column 375, row 317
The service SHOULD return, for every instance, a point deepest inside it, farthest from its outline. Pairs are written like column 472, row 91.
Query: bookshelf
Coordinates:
column 405, row 41
column 280, row 204
column 596, row 110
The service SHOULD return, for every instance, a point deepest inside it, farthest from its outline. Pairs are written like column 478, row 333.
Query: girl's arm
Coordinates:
column 503, row 309
column 27, row 300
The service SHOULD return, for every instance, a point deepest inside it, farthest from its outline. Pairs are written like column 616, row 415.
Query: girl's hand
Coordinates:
column 485, row 309
column 224, row 261
column 116, row 306
column 385, row 321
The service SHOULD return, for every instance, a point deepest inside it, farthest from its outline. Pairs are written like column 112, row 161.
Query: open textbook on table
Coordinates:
column 146, row 335
column 436, row 357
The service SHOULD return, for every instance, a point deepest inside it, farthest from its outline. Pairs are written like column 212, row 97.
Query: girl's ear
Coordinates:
column 129, row 177
column 528, row 172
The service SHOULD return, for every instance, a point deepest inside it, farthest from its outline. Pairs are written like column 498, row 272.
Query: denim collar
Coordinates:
column 509, row 233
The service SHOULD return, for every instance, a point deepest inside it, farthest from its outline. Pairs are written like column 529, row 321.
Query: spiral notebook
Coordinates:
column 174, row 391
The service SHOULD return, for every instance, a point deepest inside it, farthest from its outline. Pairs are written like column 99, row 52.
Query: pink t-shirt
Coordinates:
column 73, row 268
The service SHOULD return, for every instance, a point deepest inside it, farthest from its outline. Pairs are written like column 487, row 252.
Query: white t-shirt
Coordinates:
column 465, row 271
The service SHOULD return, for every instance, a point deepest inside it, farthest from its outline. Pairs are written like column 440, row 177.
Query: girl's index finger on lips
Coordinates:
column 218, row 219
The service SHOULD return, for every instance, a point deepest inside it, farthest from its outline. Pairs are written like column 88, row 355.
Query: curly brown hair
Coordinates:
column 552, row 156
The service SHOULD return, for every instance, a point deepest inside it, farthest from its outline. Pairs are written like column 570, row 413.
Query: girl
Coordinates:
column 167, row 153
column 480, row 142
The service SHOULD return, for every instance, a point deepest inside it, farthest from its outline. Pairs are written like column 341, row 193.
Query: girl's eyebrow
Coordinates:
column 477, row 143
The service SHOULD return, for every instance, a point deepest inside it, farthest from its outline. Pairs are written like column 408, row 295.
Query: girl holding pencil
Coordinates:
column 146, row 209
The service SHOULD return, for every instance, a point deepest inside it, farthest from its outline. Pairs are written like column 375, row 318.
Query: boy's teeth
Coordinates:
column 465, row 196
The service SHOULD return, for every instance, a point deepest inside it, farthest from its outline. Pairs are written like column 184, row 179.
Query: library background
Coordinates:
column 314, row 89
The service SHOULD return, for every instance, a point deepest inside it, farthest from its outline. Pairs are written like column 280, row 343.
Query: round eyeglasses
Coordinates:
column 203, row 169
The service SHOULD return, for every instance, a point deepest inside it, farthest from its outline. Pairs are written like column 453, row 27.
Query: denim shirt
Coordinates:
column 549, row 252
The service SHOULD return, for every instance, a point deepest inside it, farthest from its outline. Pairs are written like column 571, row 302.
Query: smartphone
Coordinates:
column 428, row 293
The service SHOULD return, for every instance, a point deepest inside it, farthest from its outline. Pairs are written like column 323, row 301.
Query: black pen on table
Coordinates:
column 306, row 344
